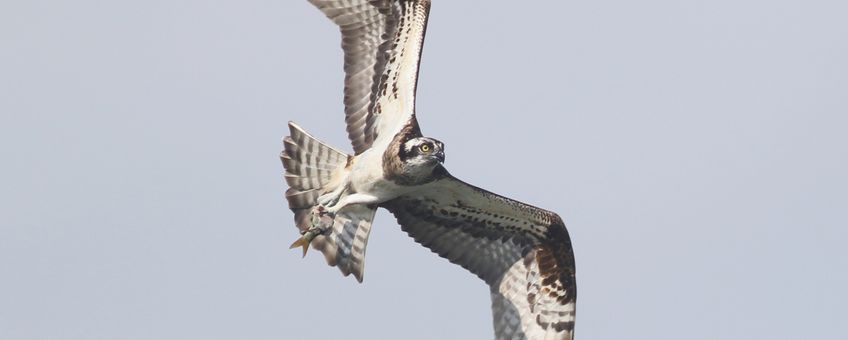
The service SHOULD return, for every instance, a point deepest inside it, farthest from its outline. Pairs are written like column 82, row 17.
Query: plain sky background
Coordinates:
column 697, row 151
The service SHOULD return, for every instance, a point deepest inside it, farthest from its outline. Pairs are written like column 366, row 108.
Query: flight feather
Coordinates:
column 382, row 42
column 523, row 252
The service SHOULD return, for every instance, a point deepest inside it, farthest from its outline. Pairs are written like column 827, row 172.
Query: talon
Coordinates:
column 322, row 220
column 322, row 200
column 328, row 200
column 318, row 214
column 332, row 211
column 325, row 220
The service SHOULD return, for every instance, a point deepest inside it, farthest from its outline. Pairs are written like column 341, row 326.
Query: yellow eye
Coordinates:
column 424, row 148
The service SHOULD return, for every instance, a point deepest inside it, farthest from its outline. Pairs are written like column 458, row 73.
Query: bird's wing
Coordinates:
column 382, row 42
column 523, row 252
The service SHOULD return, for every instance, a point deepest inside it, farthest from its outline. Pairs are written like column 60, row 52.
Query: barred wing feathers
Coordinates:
column 382, row 41
column 523, row 252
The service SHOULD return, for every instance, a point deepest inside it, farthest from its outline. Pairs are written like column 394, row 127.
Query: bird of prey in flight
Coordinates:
column 522, row 252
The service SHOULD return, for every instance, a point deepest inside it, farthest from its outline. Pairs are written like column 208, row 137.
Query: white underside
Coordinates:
column 363, row 183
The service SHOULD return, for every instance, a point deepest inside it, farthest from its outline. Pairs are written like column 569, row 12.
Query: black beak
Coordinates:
column 440, row 156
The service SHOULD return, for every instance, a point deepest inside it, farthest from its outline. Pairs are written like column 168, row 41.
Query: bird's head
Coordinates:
column 421, row 155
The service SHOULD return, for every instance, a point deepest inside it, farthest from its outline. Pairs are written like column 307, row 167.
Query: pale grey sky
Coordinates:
column 696, row 149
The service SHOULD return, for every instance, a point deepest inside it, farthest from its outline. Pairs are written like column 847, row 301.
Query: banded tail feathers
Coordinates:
column 312, row 169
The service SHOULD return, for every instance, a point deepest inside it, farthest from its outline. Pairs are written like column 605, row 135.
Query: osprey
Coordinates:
column 523, row 252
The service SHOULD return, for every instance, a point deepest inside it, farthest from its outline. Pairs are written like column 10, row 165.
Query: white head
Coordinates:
column 420, row 156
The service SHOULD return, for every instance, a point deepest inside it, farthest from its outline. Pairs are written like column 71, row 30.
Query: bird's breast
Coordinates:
column 366, row 173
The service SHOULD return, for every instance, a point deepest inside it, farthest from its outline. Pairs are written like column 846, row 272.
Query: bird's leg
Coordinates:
column 322, row 218
column 322, row 221
column 317, row 213
column 357, row 198
column 332, row 198
column 323, row 214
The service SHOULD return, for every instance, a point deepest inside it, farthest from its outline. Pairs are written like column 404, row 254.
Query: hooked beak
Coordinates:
column 440, row 156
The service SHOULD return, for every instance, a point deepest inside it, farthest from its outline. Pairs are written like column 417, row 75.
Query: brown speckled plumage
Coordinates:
column 522, row 252
column 502, row 241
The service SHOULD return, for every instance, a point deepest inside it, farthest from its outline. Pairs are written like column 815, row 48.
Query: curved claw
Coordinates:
column 321, row 220
column 328, row 199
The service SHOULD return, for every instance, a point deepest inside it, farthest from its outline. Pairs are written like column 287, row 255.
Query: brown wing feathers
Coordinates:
column 381, row 40
column 523, row 252
column 365, row 27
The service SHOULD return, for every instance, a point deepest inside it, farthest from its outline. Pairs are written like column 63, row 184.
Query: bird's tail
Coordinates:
column 313, row 168
column 310, row 166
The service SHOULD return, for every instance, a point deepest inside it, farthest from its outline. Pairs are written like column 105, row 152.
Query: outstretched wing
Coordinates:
column 523, row 252
column 382, row 42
